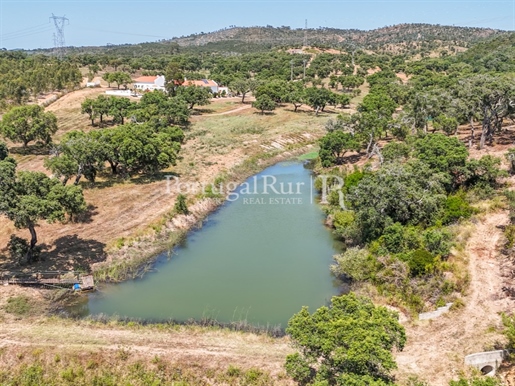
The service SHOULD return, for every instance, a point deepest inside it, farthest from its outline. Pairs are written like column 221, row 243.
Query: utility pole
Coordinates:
column 305, row 62
column 306, row 33
column 59, row 42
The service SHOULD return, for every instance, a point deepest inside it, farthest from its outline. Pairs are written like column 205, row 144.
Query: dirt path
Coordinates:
column 202, row 347
column 436, row 349
column 244, row 107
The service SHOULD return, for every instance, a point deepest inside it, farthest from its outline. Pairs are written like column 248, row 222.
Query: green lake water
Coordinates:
column 260, row 258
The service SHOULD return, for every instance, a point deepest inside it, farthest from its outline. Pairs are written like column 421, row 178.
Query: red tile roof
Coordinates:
column 203, row 83
column 146, row 79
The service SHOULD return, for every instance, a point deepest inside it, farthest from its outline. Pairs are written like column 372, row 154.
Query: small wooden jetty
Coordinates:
column 73, row 280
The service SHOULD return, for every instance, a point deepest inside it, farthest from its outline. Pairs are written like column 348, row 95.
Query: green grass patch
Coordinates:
column 309, row 156
column 18, row 305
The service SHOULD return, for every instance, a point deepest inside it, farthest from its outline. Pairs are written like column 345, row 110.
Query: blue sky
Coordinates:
column 26, row 24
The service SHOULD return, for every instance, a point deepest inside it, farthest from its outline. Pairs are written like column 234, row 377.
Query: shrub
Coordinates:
column 476, row 381
column 421, row 262
column 440, row 152
column 509, row 233
column 510, row 157
column 18, row 305
column 396, row 151
column 455, row 208
column 354, row 263
column 438, row 241
column 180, row 205
column 19, row 247
column 393, row 238
column 343, row 219
column 353, row 179
column 4, row 152
column 484, row 172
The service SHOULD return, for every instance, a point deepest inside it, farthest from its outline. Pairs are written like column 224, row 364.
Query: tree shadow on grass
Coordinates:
column 266, row 113
column 109, row 180
column 87, row 217
column 34, row 149
column 67, row 253
column 73, row 252
column 198, row 111
column 505, row 137
column 351, row 159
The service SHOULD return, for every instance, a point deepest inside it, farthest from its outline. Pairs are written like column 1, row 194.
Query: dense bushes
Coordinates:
column 410, row 194
column 396, row 218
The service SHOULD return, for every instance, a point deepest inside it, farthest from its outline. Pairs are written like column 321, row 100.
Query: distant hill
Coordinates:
column 401, row 39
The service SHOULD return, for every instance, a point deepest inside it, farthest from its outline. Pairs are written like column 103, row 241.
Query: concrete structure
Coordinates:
column 486, row 362
column 123, row 93
column 227, row 91
column 435, row 314
column 149, row 83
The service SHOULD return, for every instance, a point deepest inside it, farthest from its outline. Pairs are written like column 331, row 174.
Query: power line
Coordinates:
column 25, row 34
column 59, row 42
column 122, row 33
column 27, row 29
column 306, row 34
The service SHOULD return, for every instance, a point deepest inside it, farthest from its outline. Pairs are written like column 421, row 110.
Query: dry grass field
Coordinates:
column 37, row 350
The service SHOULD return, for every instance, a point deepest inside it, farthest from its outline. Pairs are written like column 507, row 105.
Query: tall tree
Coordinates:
column 264, row 103
column 174, row 76
column 334, row 145
column 295, row 94
column 139, row 148
column 101, row 106
column 243, row 87
column 120, row 108
column 79, row 154
column 29, row 197
column 160, row 109
column 121, row 79
column 319, row 98
column 195, row 95
column 28, row 123
column 493, row 97
column 88, row 107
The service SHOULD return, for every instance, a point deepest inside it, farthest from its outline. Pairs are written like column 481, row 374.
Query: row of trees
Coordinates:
column 436, row 102
column 119, row 77
column 270, row 94
column 156, row 107
column 128, row 149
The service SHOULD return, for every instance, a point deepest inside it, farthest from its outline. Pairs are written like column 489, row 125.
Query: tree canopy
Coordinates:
column 28, row 197
column 195, row 95
column 28, row 123
column 348, row 343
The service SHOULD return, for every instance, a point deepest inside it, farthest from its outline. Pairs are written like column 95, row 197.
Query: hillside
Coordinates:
column 373, row 39
column 401, row 38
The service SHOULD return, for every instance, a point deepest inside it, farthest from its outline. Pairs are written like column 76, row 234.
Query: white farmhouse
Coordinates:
column 203, row 83
column 149, row 83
